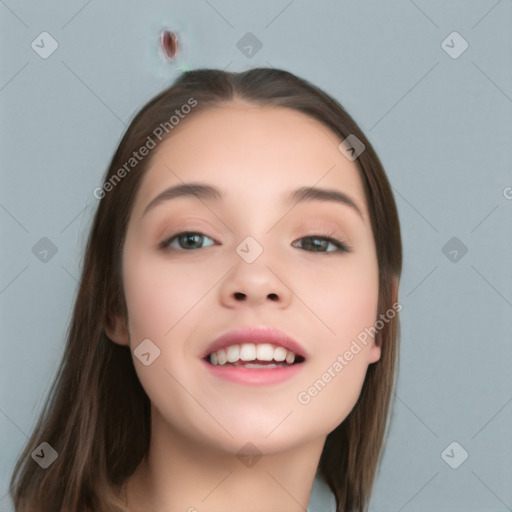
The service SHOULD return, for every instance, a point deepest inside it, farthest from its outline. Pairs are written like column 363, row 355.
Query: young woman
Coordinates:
column 235, row 330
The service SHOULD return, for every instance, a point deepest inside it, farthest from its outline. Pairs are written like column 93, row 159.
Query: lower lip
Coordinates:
column 254, row 376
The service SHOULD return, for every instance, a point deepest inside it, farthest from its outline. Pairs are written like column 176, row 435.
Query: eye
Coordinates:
column 187, row 240
column 190, row 240
column 325, row 241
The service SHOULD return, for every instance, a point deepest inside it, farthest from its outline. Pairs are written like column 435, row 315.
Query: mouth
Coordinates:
column 254, row 356
column 260, row 355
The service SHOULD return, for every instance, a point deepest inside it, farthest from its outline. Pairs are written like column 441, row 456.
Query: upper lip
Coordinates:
column 260, row 334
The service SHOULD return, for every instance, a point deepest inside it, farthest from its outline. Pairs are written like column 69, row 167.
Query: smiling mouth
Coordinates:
column 250, row 355
column 256, row 364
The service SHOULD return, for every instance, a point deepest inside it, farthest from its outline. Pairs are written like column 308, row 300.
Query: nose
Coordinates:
column 255, row 284
column 241, row 296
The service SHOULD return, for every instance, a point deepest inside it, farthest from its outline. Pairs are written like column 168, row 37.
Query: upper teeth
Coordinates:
column 251, row 352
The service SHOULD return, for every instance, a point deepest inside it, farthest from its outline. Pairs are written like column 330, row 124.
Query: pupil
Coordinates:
column 315, row 243
column 188, row 237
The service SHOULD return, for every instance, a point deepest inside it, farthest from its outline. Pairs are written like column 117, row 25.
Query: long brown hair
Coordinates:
column 97, row 415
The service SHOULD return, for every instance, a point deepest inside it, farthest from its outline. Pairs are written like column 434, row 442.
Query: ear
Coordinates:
column 116, row 330
column 374, row 354
column 375, row 350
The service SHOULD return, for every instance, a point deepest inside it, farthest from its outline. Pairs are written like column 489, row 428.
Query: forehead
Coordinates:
column 251, row 152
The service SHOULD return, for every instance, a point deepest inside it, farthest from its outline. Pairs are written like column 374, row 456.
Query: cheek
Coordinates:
column 158, row 299
column 346, row 299
column 159, row 294
column 339, row 366
column 357, row 307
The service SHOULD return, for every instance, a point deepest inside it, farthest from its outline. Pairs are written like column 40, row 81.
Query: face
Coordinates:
column 183, row 291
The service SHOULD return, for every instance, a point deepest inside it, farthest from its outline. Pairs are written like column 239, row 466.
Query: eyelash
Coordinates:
column 329, row 237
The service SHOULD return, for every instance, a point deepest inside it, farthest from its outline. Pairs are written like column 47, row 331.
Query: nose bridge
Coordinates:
column 250, row 249
column 253, row 231
column 256, row 260
column 255, row 276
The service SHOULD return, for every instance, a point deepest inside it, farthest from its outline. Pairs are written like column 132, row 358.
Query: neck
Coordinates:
column 181, row 474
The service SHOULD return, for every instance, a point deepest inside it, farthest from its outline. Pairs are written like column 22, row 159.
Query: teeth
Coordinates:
column 265, row 352
column 280, row 354
column 221, row 356
column 251, row 365
column 250, row 352
column 290, row 357
column 233, row 353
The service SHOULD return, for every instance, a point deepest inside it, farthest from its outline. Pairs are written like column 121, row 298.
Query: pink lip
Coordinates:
column 253, row 376
column 255, row 335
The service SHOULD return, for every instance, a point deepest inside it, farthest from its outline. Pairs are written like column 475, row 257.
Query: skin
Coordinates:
column 184, row 298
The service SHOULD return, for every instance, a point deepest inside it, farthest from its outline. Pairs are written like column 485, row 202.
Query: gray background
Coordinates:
column 441, row 125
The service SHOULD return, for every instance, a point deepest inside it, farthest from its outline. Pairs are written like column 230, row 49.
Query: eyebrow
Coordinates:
column 208, row 192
